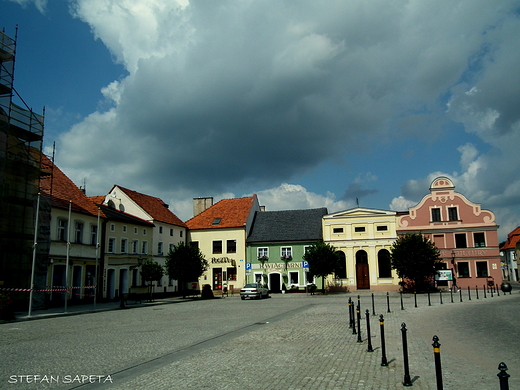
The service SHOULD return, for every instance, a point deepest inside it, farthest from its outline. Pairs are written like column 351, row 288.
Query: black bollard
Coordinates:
column 469, row 294
column 451, row 295
column 415, row 297
column 485, row 296
column 491, row 290
column 429, row 301
column 497, row 290
column 350, row 313
column 437, row 355
column 388, row 302
column 407, row 380
column 460, row 294
column 359, row 301
column 440, row 296
column 358, row 312
column 384, row 362
column 401, row 293
column 353, row 319
column 367, row 315
column 373, row 306
column 503, row 376
column 476, row 291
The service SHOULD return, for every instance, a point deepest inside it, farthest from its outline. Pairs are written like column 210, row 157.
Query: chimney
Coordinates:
column 262, row 208
column 201, row 204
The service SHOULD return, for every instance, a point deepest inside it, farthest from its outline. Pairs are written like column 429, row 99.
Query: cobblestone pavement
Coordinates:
column 291, row 341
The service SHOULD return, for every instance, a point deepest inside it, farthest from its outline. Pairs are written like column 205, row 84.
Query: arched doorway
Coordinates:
column 341, row 271
column 275, row 283
column 362, row 276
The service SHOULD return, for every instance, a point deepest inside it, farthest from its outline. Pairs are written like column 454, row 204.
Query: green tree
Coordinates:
column 150, row 272
column 185, row 263
column 415, row 258
column 323, row 260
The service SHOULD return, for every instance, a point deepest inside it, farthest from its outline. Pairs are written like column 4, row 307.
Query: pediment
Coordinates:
column 360, row 212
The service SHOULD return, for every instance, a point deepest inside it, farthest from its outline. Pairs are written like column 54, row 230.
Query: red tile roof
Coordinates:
column 231, row 212
column 157, row 209
column 63, row 191
column 512, row 239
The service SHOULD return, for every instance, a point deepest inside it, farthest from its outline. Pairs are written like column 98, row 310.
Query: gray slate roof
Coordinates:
column 287, row 225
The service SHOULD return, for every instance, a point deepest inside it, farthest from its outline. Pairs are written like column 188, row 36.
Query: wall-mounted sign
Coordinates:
column 444, row 274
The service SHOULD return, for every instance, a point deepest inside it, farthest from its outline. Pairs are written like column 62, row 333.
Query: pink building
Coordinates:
column 465, row 234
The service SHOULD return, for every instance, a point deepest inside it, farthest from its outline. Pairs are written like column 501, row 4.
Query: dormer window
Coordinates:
column 216, row 221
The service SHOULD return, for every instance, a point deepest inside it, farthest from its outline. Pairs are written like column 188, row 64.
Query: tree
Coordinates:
column 415, row 258
column 185, row 263
column 323, row 260
column 151, row 271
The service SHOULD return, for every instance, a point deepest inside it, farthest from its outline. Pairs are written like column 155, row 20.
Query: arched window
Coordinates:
column 341, row 270
column 383, row 262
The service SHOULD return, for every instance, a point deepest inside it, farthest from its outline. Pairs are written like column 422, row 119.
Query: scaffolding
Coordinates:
column 21, row 136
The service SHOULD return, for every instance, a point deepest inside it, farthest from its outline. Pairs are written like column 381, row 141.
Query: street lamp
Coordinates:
column 452, row 257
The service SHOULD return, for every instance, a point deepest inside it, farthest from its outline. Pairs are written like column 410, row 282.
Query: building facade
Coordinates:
column 364, row 239
column 509, row 253
column 276, row 245
column 220, row 230
column 153, row 242
column 465, row 234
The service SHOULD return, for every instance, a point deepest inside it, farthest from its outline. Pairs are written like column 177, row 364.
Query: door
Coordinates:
column 274, row 283
column 363, row 281
column 217, row 278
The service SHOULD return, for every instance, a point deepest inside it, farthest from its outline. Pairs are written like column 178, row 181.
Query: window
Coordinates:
column 135, row 230
column 135, row 247
column 180, row 232
column 337, row 230
column 232, row 273
column 144, row 232
column 111, row 245
column 341, row 270
column 171, row 232
column 436, row 215
column 216, row 221
column 231, row 246
column 287, row 252
column 62, row 229
column 93, row 234
column 383, row 262
column 171, row 247
column 359, row 229
column 463, row 268
column 452, row 214
column 382, row 228
column 112, row 227
column 482, row 269
column 124, row 242
column 124, row 228
column 144, row 247
column 78, row 232
column 160, row 229
column 194, row 244
column 217, row 247
column 294, row 278
column 263, row 252
column 460, row 240
column 479, row 239
column 160, row 248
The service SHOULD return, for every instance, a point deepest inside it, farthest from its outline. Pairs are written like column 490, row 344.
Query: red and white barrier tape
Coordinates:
column 48, row 289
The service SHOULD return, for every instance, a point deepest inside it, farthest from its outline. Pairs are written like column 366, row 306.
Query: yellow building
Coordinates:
column 220, row 231
column 364, row 238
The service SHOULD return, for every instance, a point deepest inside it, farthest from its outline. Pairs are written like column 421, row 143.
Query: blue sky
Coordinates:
column 305, row 104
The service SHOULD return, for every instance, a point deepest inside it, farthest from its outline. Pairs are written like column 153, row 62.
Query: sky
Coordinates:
column 306, row 104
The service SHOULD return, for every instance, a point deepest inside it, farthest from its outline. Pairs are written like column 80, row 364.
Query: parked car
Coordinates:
column 254, row 290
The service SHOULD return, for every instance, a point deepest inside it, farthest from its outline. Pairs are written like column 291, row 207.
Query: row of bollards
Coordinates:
column 355, row 319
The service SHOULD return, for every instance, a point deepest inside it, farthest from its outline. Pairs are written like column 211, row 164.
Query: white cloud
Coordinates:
column 293, row 197
column 41, row 5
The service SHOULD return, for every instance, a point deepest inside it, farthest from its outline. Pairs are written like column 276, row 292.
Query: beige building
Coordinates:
column 364, row 238
column 220, row 231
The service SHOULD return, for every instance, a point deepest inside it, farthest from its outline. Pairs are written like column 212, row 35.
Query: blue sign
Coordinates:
column 249, row 266
column 305, row 264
